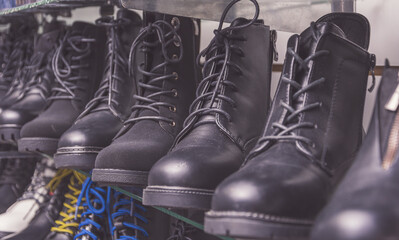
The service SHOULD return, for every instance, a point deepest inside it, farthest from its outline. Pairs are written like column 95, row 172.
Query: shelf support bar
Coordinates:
column 343, row 5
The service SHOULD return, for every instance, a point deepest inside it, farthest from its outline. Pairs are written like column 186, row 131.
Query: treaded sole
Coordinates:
column 9, row 134
column 251, row 228
column 119, row 177
column 178, row 197
column 43, row 145
column 82, row 161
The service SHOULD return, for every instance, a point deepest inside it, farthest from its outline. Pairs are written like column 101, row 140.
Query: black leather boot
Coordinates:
column 225, row 121
column 19, row 214
column 364, row 205
column 166, row 83
column 77, row 65
column 41, row 224
column 14, row 75
column 7, row 66
column 15, row 177
column 105, row 113
column 311, row 137
column 67, row 223
column 38, row 78
column 131, row 220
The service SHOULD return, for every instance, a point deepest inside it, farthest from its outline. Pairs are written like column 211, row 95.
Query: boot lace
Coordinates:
column 56, row 189
column 71, row 213
column 13, row 72
column 66, row 65
column 285, row 129
column 126, row 208
column 115, row 57
column 94, row 207
column 36, row 72
column 181, row 230
column 217, row 64
column 164, row 34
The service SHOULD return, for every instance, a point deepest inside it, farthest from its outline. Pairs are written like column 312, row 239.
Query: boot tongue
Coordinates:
column 48, row 39
column 308, row 42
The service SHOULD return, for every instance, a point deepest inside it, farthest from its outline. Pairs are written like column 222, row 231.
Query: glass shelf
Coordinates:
column 51, row 6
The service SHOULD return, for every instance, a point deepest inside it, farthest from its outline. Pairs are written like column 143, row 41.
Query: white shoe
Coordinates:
column 18, row 216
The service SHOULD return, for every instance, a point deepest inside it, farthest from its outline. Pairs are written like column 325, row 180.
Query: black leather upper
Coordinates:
column 104, row 115
column 364, row 204
column 74, row 88
column 38, row 80
column 14, row 77
column 219, row 134
column 166, row 84
column 314, row 129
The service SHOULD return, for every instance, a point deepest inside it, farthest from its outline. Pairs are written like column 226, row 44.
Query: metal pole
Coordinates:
column 342, row 5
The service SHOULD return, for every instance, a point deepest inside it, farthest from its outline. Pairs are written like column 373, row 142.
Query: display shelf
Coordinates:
column 283, row 15
column 164, row 210
column 51, row 5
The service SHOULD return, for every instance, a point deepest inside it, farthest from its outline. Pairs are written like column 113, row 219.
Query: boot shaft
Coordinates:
column 78, row 64
column 166, row 79
column 235, row 85
column 322, row 90
column 116, row 88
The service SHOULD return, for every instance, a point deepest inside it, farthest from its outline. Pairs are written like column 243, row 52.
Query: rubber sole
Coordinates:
column 178, row 197
column 79, row 160
column 43, row 145
column 10, row 134
column 255, row 226
column 120, row 177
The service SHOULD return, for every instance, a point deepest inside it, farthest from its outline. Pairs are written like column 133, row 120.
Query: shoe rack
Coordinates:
column 284, row 15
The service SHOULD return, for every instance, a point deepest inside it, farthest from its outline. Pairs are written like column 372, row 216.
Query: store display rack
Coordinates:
column 284, row 15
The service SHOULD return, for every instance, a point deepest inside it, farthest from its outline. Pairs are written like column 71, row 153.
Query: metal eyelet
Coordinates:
column 172, row 124
column 176, row 76
column 172, row 109
column 175, row 22
column 174, row 92
column 176, row 41
column 175, row 57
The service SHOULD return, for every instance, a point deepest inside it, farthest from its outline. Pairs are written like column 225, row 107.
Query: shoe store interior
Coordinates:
column 199, row 120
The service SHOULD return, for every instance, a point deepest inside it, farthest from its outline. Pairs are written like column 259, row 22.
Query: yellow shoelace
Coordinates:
column 68, row 220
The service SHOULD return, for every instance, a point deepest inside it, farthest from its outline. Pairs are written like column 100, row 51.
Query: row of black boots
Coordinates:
column 124, row 100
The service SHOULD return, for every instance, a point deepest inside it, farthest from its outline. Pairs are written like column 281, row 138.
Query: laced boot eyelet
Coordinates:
column 176, row 41
column 175, row 22
column 313, row 145
column 174, row 92
column 173, row 109
column 175, row 57
column 176, row 76
column 172, row 124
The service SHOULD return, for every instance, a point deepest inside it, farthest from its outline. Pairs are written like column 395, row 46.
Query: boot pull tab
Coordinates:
column 393, row 103
column 372, row 67
column 273, row 34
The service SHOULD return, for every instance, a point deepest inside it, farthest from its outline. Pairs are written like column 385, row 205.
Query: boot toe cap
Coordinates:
column 294, row 193
column 355, row 224
column 15, row 117
column 202, row 168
